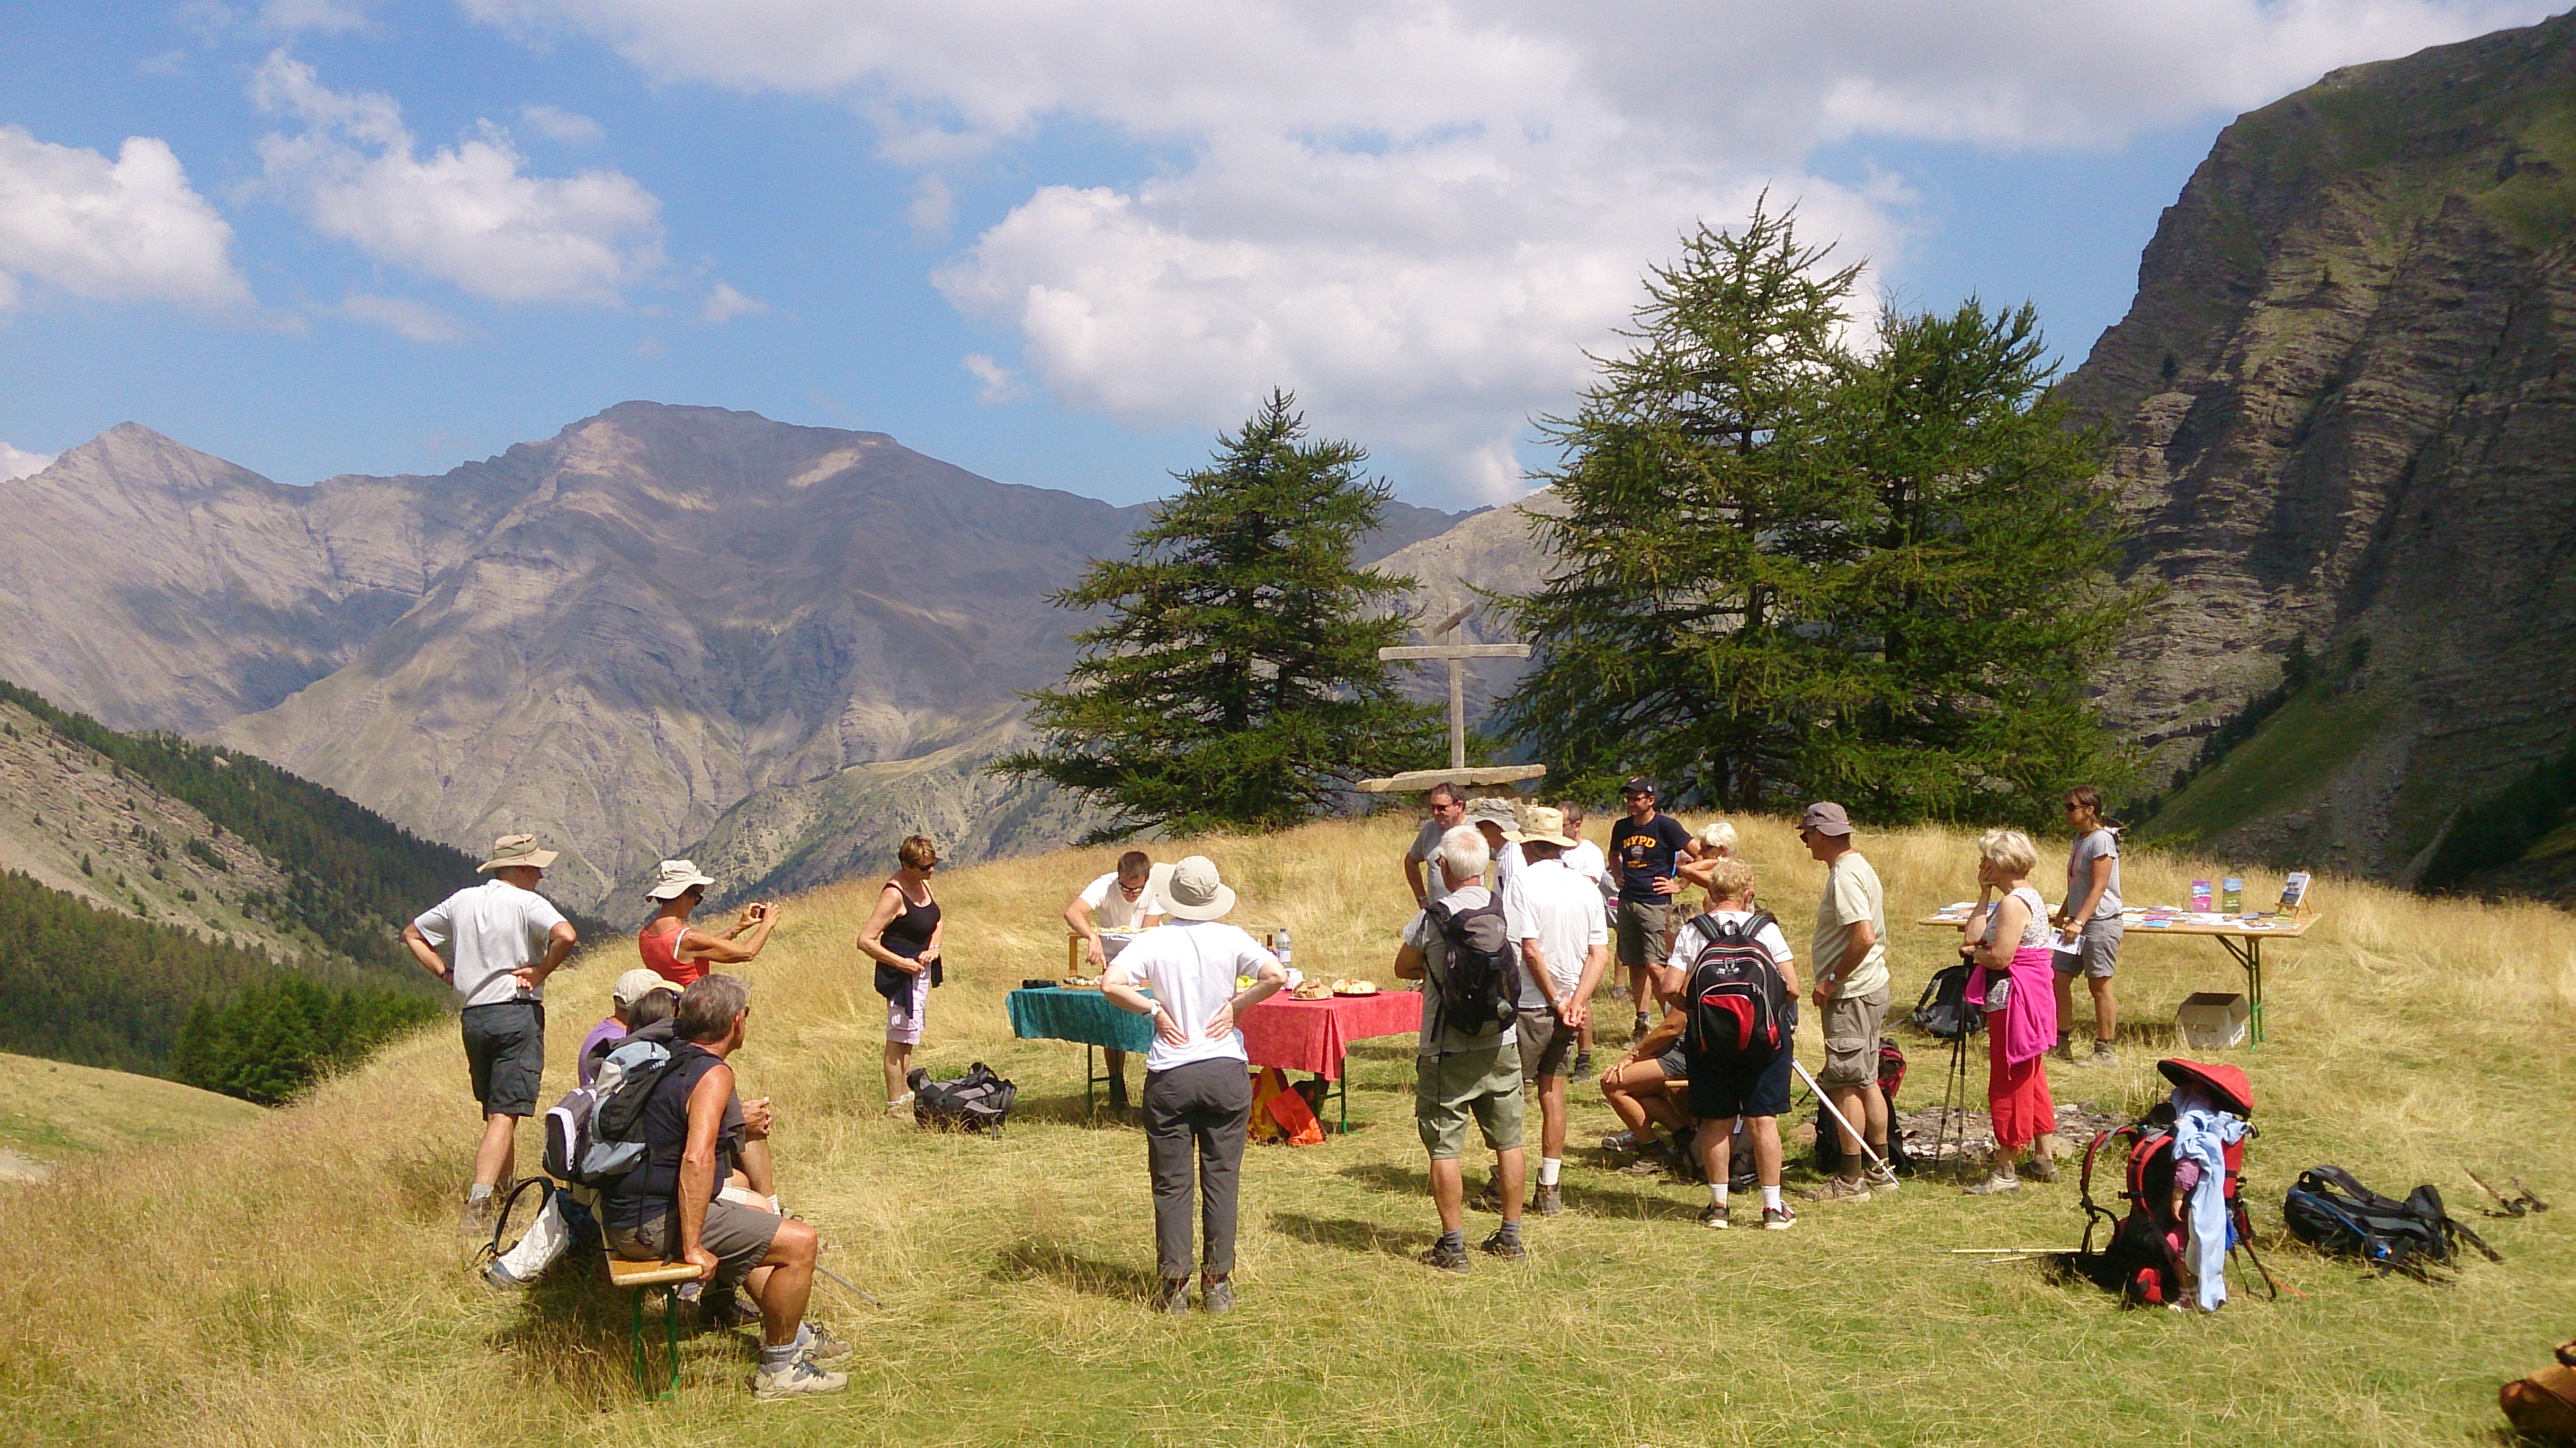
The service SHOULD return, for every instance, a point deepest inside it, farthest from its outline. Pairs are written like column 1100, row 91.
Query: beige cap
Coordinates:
column 1541, row 825
column 1195, row 892
column 1490, row 811
column 636, row 984
column 674, row 879
column 512, row 852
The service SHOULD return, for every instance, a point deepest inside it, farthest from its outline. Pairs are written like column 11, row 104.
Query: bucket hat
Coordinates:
column 1826, row 818
column 1541, row 825
column 511, row 852
column 674, row 878
column 1195, row 892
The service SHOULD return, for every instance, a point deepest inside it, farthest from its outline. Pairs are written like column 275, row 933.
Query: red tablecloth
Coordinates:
column 1296, row 1035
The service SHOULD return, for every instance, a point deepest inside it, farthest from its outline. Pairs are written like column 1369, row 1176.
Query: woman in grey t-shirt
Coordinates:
column 2089, row 920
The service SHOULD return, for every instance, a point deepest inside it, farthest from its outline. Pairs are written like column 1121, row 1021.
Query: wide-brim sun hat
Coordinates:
column 1492, row 811
column 675, row 878
column 1195, row 892
column 1541, row 825
column 636, row 984
column 516, row 852
column 2226, row 1084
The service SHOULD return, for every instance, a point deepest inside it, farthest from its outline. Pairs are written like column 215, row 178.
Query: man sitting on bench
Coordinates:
column 668, row 1209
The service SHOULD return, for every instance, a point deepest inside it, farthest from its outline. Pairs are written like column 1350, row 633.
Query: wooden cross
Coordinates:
column 1455, row 654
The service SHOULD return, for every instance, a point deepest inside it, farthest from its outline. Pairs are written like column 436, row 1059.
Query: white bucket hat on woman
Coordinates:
column 1195, row 893
column 674, row 880
column 636, row 984
column 512, row 852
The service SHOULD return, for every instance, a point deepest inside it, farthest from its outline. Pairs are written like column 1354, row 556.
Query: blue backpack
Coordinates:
column 590, row 1133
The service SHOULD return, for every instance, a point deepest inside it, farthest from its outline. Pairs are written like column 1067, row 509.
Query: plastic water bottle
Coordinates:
column 1279, row 947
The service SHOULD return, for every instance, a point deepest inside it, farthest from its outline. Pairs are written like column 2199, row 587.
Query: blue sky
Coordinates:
column 1055, row 249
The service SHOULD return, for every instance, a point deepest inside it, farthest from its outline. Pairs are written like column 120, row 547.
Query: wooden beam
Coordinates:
column 1414, row 779
column 1455, row 651
column 1446, row 624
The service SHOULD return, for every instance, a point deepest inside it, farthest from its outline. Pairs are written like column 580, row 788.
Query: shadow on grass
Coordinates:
column 1037, row 1257
column 1384, row 1177
column 1350, row 1234
column 571, row 1332
column 1069, row 1110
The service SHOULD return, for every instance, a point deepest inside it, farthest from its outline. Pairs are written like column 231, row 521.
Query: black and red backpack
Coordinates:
column 1737, row 1000
column 2143, row 1258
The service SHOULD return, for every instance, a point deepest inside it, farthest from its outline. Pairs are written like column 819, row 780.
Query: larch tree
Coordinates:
column 1233, row 680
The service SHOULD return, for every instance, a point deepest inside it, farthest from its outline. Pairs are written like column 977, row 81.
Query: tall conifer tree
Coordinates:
column 1787, row 572
column 1234, row 681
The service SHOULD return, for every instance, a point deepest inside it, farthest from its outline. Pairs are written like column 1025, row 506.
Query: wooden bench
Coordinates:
column 645, row 1279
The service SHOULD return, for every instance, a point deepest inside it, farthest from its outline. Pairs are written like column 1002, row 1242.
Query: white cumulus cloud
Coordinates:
column 17, row 462
column 1418, row 216
column 572, row 128
column 725, row 303
column 1000, row 384
column 127, row 229
column 418, row 321
column 466, row 214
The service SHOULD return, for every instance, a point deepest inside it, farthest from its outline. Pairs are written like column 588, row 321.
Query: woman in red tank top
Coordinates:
column 680, row 953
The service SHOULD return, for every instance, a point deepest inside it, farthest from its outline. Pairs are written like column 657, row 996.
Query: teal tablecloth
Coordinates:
column 1057, row 1014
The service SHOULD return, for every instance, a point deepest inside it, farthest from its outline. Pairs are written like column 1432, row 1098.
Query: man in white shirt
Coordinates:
column 1554, row 917
column 1495, row 819
column 1444, row 809
column 1108, row 913
column 1587, row 860
column 1198, row 1088
column 501, row 940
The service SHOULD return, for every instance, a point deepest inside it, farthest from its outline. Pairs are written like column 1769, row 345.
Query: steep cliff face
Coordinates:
column 2343, row 410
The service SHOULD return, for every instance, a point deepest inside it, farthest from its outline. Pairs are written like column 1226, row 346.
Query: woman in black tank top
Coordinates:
column 902, row 936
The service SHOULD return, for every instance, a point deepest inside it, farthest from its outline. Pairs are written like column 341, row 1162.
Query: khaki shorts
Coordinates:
column 1640, row 930
column 739, row 1236
column 1851, row 1039
column 1449, row 1089
column 2099, row 956
column 1545, row 1043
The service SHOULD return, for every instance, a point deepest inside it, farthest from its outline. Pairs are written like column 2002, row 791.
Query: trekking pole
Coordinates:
column 1836, row 1112
column 846, row 1282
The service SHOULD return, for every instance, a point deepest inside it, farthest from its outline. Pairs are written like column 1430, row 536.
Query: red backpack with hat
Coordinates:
column 2143, row 1259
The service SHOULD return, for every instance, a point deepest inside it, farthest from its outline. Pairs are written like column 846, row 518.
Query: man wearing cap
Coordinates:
column 1851, row 985
column 1198, row 1088
column 1495, row 819
column 1444, row 809
column 501, row 940
column 1646, row 848
column 1553, row 918
column 623, row 997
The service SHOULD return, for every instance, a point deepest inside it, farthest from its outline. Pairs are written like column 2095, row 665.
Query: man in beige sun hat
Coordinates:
column 496, row 943
column 1553, row 919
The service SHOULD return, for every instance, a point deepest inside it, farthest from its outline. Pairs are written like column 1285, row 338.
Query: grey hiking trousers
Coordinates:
column 1196, row 1113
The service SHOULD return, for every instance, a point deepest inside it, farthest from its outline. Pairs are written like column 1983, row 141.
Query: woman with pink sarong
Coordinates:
column 2014, row 979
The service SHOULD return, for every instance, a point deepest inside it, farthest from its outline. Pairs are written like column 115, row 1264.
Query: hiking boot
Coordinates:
column 1217, row 1296
column 2063, row 1051
column 1510, row 1248
column 2039, row 1168
column 496, row 1275
column 1550, row 1203
column 799, row 1379
column 1880, row 1180
column 1623, row 1141
column 822, row 1348
column 478, row 1216
column 1640, row 1027
column 1173, row 1297
column 1583, row 1063
column 1713, row 1217
column 1838, row 1189
column 2102, row 1055
column 1446, row 1258
column 1779, row 1219
column 1653, row 1163
column 1999, row 1182
column 728, row 1313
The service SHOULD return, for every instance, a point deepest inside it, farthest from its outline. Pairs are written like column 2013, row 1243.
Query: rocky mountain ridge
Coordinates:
column 2342, row 412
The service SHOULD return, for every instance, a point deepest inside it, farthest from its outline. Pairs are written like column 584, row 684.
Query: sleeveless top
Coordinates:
column 908, row 934
column 653, row 1187
column 662, row 954
column 2034, row 933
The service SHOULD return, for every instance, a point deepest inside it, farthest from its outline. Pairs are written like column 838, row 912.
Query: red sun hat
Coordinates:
column 2225, row 1084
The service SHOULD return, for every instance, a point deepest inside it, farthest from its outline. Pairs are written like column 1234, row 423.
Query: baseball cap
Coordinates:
column 1637, row 784
column 1491, row 811
column 636, row 984
column 1825, row 818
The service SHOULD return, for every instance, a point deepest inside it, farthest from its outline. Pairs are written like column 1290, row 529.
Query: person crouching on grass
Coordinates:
column 1726, row 1086
column 2008, row 941
column 1198, row 1086
column 1464, row 1068
column 502, row 940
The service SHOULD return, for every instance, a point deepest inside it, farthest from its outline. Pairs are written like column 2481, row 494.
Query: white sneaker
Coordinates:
column 900, row 1106
column 799, row 1379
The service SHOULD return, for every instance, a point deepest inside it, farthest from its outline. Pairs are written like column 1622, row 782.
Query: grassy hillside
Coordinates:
column 300, row 1282
column 55, row 1113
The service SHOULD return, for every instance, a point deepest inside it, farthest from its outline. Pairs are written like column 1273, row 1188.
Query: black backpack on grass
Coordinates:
column 1479, row 975
column 2331, row 1211
column 976, row 1101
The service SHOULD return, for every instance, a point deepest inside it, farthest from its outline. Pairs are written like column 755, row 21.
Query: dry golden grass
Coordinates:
column 297, row 1279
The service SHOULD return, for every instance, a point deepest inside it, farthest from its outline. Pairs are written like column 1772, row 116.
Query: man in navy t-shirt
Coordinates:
column 1644, row 847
